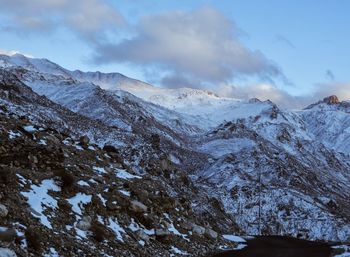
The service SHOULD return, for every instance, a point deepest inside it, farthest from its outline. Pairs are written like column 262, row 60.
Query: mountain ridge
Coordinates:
column 266, row 170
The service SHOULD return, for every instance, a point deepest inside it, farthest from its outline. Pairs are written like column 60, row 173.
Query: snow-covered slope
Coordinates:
column 329, row 122
column 83, row 96
column 35, row 64
column 276, row 179
column 63, row 195
column 252, row 157
column 198, row 108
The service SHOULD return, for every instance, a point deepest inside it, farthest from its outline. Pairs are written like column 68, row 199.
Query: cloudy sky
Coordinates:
column 292, row 52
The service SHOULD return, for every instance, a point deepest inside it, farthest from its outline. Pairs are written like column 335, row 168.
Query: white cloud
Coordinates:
column 266, row 92
column 283, row 98
column 202, row 44
column 88, row 18
column 197, row 48
column 342, row 90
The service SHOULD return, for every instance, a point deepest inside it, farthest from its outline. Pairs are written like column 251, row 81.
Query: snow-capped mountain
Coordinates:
column 63, row 194
column 272, row 171
column 197, row 108
column 329, row 122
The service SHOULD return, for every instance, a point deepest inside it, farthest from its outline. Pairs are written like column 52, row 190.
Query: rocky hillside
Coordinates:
column 178, row 172
column 63, row 194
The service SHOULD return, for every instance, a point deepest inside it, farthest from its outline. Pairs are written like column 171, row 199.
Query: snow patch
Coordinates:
column 83, row 183
column 29, row 128
column 13, row 135
column 5, row 252
column 117, row 229
column 78, row 201
column 125, row 175
column 178, row 251
column 39, row 199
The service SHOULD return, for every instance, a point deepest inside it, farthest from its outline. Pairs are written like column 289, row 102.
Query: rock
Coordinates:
column 51, row 139
column 186, row 226
column 84, row 141
column 5, row 252
column 155, row 141
column 165, row 164
column 141, row 194
column 333, row 99
column 142, row 235
column 163, row 235
column 161, row 232
column 8, row 236
column 85, row 223
column 3, row 211
column 211, row 233
column 198, row 230
column 112, row 206
column 254, row 100
column 137, row 206
column 33, row 159
column 110, row 149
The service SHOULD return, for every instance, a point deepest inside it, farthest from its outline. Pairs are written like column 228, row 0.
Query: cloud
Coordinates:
column 177, row 81
column 266, row 92
column 286, row 41
column 330, row 75
column 87, row 18
column 199, row 48
column 201, row 45
column 342, row 90
column 283, row 98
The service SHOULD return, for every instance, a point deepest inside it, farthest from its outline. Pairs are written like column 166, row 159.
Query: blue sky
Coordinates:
column 296, row 47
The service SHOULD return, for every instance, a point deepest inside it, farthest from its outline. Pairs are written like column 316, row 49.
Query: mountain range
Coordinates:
column 194, row 168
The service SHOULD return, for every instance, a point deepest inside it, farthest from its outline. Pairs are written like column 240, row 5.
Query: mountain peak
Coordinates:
column 333, row 99
column 330, row 100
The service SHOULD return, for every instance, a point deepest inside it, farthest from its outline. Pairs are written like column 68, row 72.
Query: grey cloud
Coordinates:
column 202, row 44
column 286, row 41
column 330, row 75
column 342, row 90
column 283, row 98
column 88, row 18
column 176, row 81
column 266, row 92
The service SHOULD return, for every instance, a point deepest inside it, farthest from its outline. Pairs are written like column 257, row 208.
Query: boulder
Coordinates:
column 211, row 233
column 198, row 230
column 3, row 211
column 84, row 141
column 165, row 164
column 142, row 235
column 137, row 206
column 333, row 99
column 184, row 225
column 112, row 205
column 141, row 194
column 161, row 232
column 8, row 235
column 85, row 223
column 110, row 149
column 33, row 159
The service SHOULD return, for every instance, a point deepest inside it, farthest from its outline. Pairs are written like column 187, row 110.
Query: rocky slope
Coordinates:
column 244, row 167
column 283, row 185
column 63, row 194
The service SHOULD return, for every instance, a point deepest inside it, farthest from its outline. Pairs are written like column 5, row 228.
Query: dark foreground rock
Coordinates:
column 278, row 246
